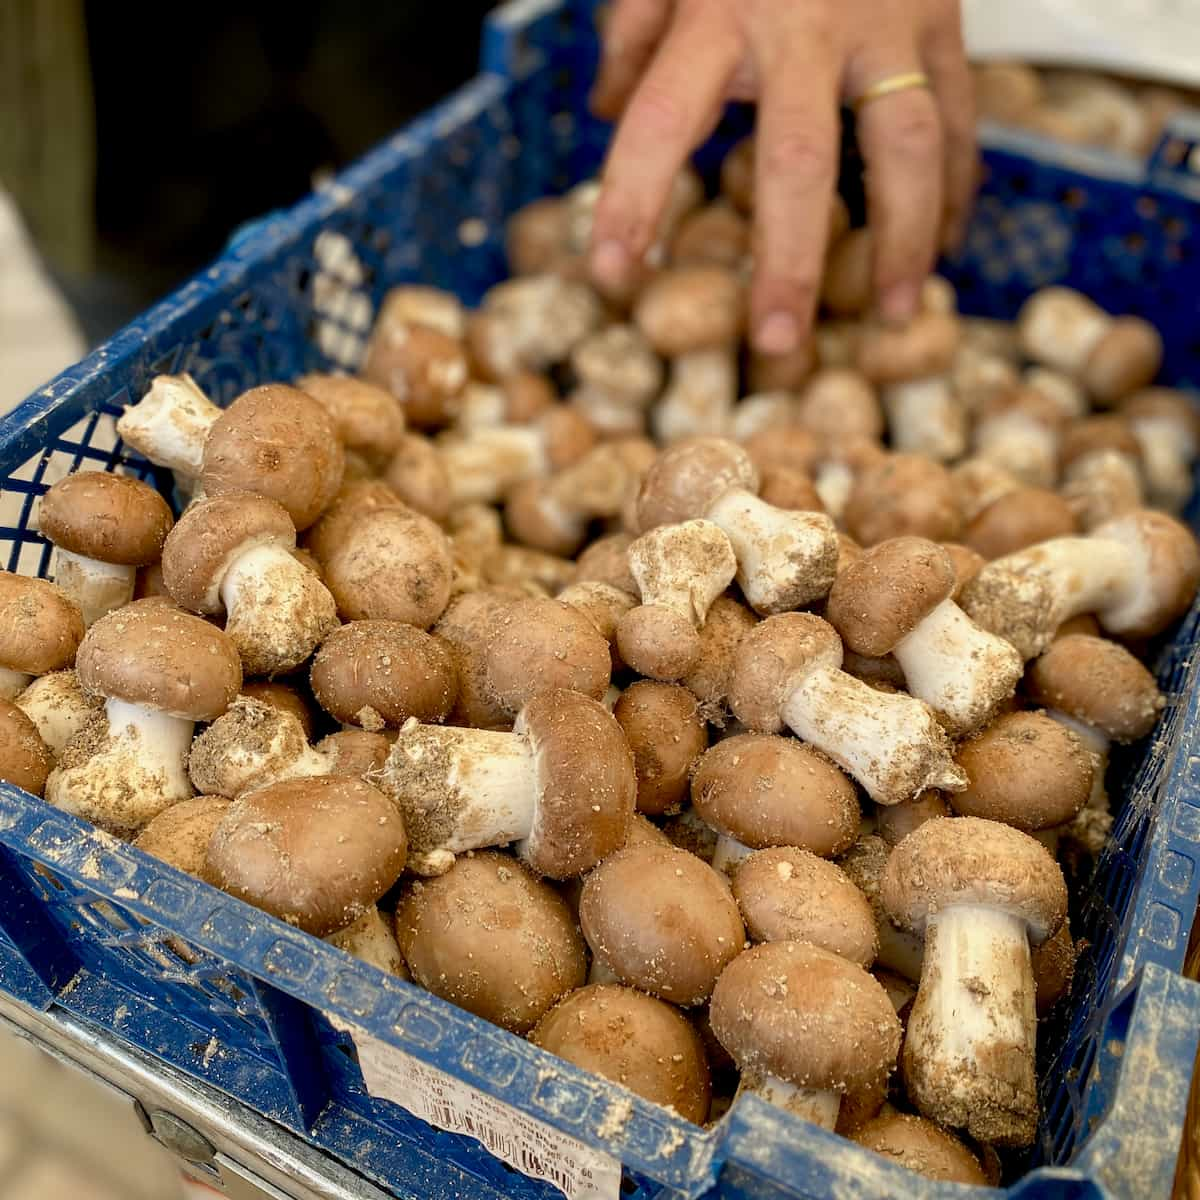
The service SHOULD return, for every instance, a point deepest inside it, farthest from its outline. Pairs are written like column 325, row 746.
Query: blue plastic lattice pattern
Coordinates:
column 237, row 999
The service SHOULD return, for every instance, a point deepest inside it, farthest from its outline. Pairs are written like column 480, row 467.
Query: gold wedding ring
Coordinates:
column 891, row 85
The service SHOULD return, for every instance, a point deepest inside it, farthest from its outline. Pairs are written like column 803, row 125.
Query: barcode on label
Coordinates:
column 531, row 1146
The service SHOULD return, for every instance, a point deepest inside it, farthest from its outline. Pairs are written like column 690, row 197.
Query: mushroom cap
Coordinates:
column 662, row 921
column 720, row 636
column 354, row 498
column 586, row 784
column 283, row 697
column 921, row 1146
column 393, row 565
column 763, row 790
column 789, row 447
column 876, row 602
column 634, row 1040
column 368, row 418
column 417, row 475
column 715, row 235
column 210, row 535
column 1098, row 682
column 316, row 852
column 768, row 659
column 847, row 289
column 923, row 348
column 840, row 402
column 790, row 489
column 492, row 939
column 355, row 752
column 162, row 658
column 279, row 442
column 894, row 822
column 686, row 478
column 466, row 626
column 969, row 860
column 786, row 894
column 372, row 938
column 424, row 368
column 536, row 235
column 1128, row 357
column 606, row 560
column 1026, row 770
column 1017, row 519
column 111, row 518
column 967, row 564
column 667, row 734
column 658, row 642
column 1164, row 404
column 25, row 760
column 1108, row 431
column 903, row 494
column 806, row 1016
column 538, row 645
column 781, row 372
column 40, row 626
column 688, row 308
column 376, row 673
column 179, row 835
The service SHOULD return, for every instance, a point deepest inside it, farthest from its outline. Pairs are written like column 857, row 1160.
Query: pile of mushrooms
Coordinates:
column 716, row 722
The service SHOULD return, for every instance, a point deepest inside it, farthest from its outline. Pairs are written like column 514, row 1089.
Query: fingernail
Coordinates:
column 899, row 302
column 778, row 333
column 610, row 263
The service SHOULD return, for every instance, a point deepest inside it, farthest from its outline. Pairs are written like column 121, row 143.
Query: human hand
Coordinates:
column 668, row 68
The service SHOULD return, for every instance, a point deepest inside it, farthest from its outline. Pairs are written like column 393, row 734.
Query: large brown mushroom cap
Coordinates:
column 764, row 790
column 1098, row 682
column 466, row 627
column 1095, row 434
column 1126, row 358
column 920, row 1146
column 538, row 645
column 790, row 895
column 111, row 518
column 25, row 760
column 377, row 673
column 393, row 565
column 1020, row 518
column 661, row 920
column 160, row 657
column 876, row 602
column 316, row 852
column 179, row 835
column 368, row 418
column 425, row 368
column 1025, row 770
column 667, row 734
column 806, row 1016
column 903, row 494
column 922, row 349
column 492, row 939
column 968, row 860
column 417, row 474
column 632, row 1039
column 279, row 442
column 587, row 788
column 210, row 535
column 354, row 498
column 690, row 308
column 687, row 477
column 40, row 626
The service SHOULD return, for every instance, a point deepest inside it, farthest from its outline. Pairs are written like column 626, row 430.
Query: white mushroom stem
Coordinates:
column 926, row 417
column 1024, row 597
column 484, row 465
column 961, row 671
column 1101, row 486
column 890, row 742
column 699, row 398
column 12, row 683
column 834, row 481
column 278, row 611
column 809, row 1104
column 973, row 1026
column 683, row 567
column 461, row 789
column 1018, row 443
column 170, row 425
column 785, row 559
column 1168, row 451
column 56, row 704
column 728, row 853
column 97, row 587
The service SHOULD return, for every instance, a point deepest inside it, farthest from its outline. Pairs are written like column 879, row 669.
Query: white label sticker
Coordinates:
column 531, row 1146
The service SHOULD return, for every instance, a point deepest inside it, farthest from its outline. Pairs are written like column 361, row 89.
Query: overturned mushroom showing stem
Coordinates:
column 981, row 893
column 169, row 426
column 59, row 707
column 680, row 570
column 1137, row 574
column 561, row 785
column 789, row 674
column 896, row 599
column 234, row 552
column 784, row 559
column 40, row 630
column 806, row 1027
column 160, row 670
column 103, row 527
column 251, row 745
column 1167, row 427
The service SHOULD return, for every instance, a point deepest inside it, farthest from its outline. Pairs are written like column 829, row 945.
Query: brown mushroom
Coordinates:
column 40, row 630
column 367, row 418
column 25, row 760
column 921, row 1146
column 284, row 697
column 355, row 752
column 903, row 494
column 1166, row 424
column 1020, row 518
column 372, row 940
column 666, row 732
column 691, row 308
column 895, row 822
column 179, row 835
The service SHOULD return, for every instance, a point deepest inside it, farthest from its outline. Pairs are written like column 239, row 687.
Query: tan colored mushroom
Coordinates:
column 658, row 919
column 634, row 1040
column 921, row 1146
column 316, row 853
column 1166, row 425
column 902, row 494
column 978, row 483
column 843, row 459
column 720, row 635
column 355, row 498
column 372, row 939
column 59, row 707
column 699, row 397
column 838, row 402
column 179, row 835
column 606, row 560
column 895, row 822
column 40, row 630
column 103, row 527
column 25, row 760
column 618, row 376
column 1101, row 469
column 466, row 627
column 716, row 235
column 536, row 235
column 666, row 732
column 233, row 552
column 1020, row 518
column 160, row 670
column 924, row 348
column 787, row 372
column 604, row 606
column 493, row 939
column 690, row 308
column 368, row 419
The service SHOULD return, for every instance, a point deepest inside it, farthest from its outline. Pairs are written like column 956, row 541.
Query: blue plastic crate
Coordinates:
column 239, row 1000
